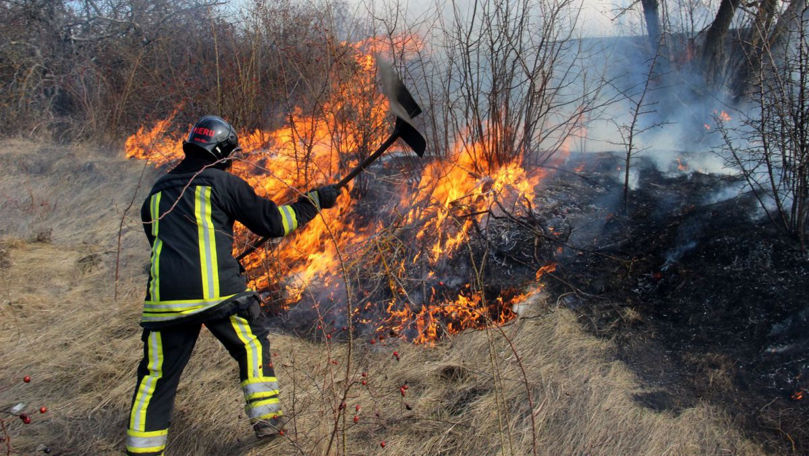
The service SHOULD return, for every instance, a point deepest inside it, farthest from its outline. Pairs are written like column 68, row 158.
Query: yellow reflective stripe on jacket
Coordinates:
column 169, row 310
column 157, row 247
column 146, row 442
column 146, row 388
column 288, row 219
column 207, row 242
column 314, row 198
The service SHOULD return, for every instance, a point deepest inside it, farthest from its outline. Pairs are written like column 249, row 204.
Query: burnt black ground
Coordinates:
column 704, row 297
column 707, row 301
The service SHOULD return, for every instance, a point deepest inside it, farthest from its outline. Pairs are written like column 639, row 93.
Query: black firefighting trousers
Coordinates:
column 165, row 354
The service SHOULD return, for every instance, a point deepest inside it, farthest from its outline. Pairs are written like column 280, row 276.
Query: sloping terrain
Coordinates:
column 479, row 392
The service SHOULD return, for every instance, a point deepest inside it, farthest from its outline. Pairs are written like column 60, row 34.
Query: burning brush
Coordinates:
column 402, row 262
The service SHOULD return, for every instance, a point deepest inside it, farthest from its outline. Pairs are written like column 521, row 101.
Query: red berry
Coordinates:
column 364, row 383
column 27, row 379
column 396, row 354
column 281, row 432
column 43, row 409
column 373, row 341
column 357, row 407
column 356, row 419
column 382, row 444
column 365, row 374
column 328, row 336
column 25, row 418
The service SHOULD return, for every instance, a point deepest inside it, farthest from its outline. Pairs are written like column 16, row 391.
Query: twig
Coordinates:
column 121, row 230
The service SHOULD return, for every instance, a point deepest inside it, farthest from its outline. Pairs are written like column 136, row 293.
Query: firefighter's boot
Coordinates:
column 269, row 428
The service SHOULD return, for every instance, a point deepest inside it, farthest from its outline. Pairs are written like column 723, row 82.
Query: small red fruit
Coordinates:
column 27, row 379
column 364, row 383
column 356, row 419
column 281, row 432
column 357, row 407
column 373, row 341
column 43, row 409
column 25, row 418
column 382, row 444
column 365, row 374
column 328, row 336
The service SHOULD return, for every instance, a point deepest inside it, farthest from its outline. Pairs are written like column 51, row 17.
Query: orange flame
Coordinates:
column 449, row 201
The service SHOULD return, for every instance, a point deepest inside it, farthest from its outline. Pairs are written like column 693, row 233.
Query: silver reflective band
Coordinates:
column 256, row 388
column 156, row 442
column 263, row 410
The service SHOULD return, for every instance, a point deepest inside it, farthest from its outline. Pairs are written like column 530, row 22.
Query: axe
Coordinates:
column 405, row 108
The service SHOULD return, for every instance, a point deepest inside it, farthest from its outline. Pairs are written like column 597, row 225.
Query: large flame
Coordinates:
column 449, row 200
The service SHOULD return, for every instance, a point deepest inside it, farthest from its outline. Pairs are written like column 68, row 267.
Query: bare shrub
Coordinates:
column 771, row 147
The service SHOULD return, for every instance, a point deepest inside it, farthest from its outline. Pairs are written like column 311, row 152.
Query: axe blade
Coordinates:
column 401, row 102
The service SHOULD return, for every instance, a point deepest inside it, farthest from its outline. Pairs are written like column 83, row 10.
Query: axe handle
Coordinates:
column 343, row 182
column 371, row 158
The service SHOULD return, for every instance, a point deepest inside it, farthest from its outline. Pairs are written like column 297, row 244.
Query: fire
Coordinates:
column 423, row 230
column 681, row 166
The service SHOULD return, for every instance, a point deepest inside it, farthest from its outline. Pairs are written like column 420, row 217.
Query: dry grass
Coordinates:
column 60, row 325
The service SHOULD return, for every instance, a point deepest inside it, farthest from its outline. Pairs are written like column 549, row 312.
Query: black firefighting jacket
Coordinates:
column 188, row 218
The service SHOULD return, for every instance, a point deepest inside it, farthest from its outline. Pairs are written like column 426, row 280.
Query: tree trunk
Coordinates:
column 788, row 21
column 713, row 52
column 652, row 17
column 750, row 63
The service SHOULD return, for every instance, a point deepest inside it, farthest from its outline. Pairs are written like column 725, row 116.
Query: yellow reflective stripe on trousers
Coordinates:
column 146, row 388
column 146, row 442
column 157, row 247
column 251, row 345
column 288, row 219
column 207, row 242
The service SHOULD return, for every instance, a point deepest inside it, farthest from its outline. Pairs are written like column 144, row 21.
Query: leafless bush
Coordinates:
column 771, row 148
column 99, row 69
column 501, row 78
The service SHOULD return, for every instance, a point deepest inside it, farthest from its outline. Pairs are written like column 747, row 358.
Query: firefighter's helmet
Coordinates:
column 212, row 136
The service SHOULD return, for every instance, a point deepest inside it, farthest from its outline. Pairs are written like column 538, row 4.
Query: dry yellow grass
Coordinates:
column 466, row 396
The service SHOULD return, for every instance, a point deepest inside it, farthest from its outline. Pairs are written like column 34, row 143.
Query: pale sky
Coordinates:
column 595, row 19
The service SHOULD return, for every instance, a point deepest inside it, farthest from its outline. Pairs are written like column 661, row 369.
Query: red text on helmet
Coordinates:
column 202, row 131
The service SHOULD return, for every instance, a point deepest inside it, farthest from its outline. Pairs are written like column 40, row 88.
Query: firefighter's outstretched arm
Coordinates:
column 265, row 218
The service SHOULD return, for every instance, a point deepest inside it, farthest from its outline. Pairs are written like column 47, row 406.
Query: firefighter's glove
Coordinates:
column 327, row 196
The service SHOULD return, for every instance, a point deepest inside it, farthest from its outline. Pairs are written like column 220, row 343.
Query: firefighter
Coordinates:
column 188, row 218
